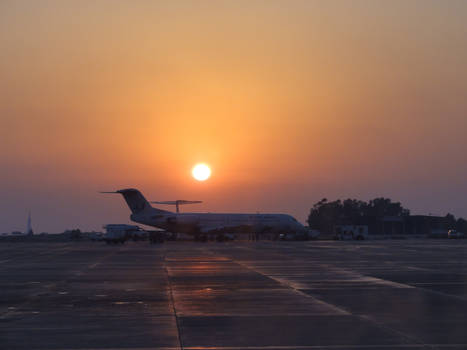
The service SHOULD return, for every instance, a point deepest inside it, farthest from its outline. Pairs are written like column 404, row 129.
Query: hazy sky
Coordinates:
column 288, row 101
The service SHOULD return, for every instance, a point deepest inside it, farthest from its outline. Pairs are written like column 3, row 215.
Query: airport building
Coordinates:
column 399, row 225
column 426, row 224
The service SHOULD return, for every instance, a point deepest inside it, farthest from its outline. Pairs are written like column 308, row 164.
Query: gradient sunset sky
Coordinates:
column 288, row 101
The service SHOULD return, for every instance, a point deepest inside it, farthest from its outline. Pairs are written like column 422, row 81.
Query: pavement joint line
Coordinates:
column 298, row 291
column 263, row 252
column 256, row 314
column 132, row 348
column 27, row 253
column 366, row 278
column 286, row 347
column 49, row 286
column 172, row 300
column 94, row 265
column 397, row 284
column 382, row 325
column 435, row 292
column 377, row 323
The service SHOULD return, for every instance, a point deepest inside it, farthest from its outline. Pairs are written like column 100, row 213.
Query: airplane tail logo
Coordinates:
column 135, row 200
column 137, row 203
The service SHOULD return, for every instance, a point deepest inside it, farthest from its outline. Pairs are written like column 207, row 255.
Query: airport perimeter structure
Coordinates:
column 408, row 294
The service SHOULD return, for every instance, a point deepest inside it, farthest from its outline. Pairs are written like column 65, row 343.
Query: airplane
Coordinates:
column 202, row 225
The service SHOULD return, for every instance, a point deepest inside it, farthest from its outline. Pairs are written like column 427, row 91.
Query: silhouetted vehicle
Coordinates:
column 119, row 233
column 454, row 234
column 301, row 236
column 114, row 237
column 224, row 237
column 351, row 235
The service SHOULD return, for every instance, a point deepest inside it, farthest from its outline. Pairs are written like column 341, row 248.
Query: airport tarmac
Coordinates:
column 408, row 294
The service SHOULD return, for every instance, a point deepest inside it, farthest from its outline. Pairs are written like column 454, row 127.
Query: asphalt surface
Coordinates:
column 409, row 294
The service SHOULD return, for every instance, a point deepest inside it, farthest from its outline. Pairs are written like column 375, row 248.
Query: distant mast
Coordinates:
column 29, row 229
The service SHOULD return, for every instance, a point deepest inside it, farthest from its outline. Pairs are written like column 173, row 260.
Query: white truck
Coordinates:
column 119, row 233
column 351, row 232
column 453, row 234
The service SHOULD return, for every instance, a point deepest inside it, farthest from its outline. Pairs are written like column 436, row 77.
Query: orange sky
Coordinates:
column 288, row 101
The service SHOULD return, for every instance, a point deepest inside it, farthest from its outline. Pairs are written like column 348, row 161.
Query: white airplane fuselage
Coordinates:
column 201, row 223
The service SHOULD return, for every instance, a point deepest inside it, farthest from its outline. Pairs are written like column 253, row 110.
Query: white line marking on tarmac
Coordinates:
column 282, row 347
column 286, row 283
column 358, row 277
column 355, row 276
column 94, row 265
column 286, row 347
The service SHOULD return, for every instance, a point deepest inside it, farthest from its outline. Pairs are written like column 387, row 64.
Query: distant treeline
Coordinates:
column 324, row 215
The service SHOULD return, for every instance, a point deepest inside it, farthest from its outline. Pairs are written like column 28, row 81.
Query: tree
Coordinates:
column 324, row 215
column 461, row 225
column 380, row 207
column 352, row 209
column 75, row 234
column 451, row 221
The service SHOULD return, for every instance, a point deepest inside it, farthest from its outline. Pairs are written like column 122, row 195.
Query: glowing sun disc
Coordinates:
column 201, row 172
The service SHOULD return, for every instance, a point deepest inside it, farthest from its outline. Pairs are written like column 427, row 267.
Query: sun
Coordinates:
column 201, row 172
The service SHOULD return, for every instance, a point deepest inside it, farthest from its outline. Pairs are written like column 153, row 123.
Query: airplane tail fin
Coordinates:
column 135, row 200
